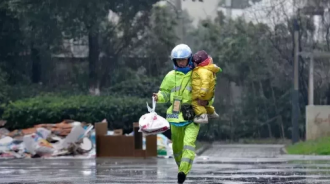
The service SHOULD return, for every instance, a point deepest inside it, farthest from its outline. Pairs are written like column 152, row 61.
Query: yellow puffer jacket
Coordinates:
column 203, row 81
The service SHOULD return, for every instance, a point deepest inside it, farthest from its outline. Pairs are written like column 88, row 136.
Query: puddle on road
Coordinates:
column 162, row 171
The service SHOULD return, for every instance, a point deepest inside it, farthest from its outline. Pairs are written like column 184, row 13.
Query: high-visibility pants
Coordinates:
column 183, row 143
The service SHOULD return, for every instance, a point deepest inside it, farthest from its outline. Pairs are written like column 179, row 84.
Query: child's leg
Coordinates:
column 211, row 112
column 200, row 111
column 197, row 108
column 210, row 109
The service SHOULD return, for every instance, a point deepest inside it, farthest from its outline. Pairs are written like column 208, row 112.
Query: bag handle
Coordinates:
column 153, row 105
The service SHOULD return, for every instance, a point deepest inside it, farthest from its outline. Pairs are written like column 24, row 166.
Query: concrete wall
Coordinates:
column 317, row 122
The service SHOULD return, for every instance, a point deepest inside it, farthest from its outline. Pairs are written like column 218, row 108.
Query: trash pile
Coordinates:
column 67, row 138
column 48, row 140
column 164, row 146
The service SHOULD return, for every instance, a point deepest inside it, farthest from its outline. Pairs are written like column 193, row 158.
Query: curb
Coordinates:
column 283, row 151
column 203, row 149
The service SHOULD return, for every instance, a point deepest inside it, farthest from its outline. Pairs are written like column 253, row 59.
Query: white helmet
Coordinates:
column 181, row 51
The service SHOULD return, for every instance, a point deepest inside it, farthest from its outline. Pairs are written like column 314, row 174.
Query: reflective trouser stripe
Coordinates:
column 177, row 157
column 178, row 154
column 191, row 148
column 190, row 161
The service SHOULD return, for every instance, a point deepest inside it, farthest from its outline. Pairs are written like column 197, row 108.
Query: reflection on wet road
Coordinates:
column 210, row 168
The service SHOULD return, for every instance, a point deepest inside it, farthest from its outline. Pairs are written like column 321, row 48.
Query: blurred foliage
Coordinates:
column 122, row 48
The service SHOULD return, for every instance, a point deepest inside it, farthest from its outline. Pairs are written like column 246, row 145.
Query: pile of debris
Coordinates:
column 48, row 140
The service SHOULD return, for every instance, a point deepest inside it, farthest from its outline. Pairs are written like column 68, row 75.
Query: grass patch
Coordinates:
column 316, row 147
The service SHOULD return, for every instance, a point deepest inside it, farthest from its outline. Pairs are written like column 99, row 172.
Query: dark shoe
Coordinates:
column 181, row 177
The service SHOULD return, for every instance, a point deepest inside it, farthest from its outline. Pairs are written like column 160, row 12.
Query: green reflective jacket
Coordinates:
column 176, row 83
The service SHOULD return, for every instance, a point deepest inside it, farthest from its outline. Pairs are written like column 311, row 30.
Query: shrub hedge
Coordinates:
column 120, row 112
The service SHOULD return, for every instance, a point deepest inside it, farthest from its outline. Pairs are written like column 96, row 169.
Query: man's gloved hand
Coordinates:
column 155, row 95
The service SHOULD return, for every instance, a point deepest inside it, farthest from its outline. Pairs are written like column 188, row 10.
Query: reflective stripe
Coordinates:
column 172, row 116
column 190, row 161
column 165, row 95
column 189, row 148
column 203, row 89
column 177, row 88
column 177, row 154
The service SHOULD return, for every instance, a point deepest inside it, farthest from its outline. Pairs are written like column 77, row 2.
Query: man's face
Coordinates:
column 182, row 62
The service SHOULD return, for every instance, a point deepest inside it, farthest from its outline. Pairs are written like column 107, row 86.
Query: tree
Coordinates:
column 10, row 43
column 39, row 23
column 47, row 23
column 89, row 19
column 156, row 42
column 259, row 57
column 248, row 58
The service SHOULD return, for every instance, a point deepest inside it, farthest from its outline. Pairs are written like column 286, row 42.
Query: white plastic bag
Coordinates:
column 151, row 123
column 30, row 144
column 75, row 135
column 34, row 144
column 43, row 133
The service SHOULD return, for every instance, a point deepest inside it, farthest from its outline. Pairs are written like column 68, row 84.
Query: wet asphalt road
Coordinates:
column 234, row 164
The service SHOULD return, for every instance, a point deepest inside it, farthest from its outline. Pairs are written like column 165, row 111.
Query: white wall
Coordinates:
column 317, row 122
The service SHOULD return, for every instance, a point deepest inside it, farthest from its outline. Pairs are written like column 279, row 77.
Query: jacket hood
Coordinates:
column 213, row 68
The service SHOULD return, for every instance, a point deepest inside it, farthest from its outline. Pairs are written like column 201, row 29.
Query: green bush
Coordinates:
column 120, row 112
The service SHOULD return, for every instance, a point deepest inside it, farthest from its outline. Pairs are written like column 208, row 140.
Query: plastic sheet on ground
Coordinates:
column 6, row 141
column 76, row 133
column 3, row 132
column 164, row 146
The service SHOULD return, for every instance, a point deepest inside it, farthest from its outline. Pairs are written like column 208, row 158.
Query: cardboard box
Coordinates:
column 117, row 146
column 118, row 132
